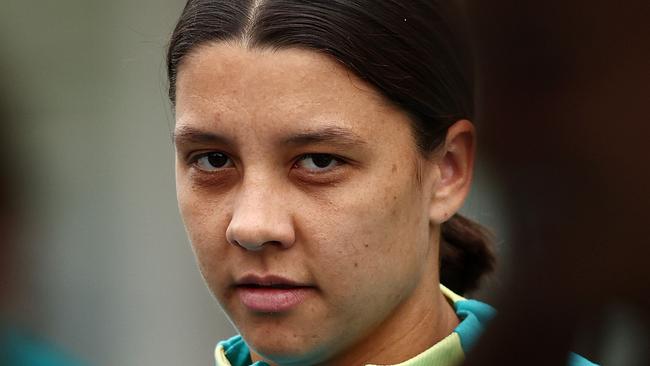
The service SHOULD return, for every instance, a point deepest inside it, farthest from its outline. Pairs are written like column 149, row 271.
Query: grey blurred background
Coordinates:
column 107, row 271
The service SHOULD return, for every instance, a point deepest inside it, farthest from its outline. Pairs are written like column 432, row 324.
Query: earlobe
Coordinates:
column 455, row 166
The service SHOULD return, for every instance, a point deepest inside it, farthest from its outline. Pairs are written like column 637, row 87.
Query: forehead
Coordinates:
column 276, row 89
column 235, row 68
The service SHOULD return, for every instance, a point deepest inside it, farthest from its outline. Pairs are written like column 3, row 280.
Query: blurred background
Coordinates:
column 105, row 270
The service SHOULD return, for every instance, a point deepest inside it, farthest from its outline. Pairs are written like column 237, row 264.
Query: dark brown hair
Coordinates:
column 406, row 49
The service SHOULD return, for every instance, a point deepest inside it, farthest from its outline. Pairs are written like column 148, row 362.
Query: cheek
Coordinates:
column 382, row 217
column 204, row 212
column 372, row 241
column 205, row 223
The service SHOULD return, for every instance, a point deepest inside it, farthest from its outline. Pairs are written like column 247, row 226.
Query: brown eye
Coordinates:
column 213, row 161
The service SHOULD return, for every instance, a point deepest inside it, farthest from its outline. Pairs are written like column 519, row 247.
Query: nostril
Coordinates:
column 253, row 234
column 250, row 246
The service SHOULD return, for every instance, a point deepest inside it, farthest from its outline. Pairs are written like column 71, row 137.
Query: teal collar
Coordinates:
column 473, row 316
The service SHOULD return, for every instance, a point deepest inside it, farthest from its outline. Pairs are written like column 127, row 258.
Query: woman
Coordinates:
column 323, row 150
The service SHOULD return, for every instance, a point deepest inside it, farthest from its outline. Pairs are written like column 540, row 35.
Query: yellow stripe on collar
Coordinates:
column 454, row 297
column 447, row 352
column 220, row 356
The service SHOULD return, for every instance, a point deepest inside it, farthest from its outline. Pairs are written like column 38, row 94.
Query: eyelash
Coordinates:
column 338, row 161
column 195, row 161
column 333, row 158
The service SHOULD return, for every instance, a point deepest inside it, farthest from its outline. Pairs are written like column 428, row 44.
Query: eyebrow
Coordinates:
column 328, row 135
column 192, row 135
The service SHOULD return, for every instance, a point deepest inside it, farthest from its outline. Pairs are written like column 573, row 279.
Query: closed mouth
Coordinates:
column 269, row 281
column 272, row 286
column 271, row 294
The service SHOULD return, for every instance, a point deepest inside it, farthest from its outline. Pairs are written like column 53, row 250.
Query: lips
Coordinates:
column 271, row 294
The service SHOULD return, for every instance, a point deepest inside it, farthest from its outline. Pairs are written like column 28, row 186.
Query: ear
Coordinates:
column 455, row 164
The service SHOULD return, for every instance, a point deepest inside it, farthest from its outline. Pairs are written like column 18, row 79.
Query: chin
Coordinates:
column 288, row 352
column 287, row 345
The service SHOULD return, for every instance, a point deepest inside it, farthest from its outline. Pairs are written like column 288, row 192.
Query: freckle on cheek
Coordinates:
column 356, row 264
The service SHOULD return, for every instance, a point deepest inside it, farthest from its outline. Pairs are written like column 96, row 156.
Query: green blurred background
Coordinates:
column 107, row 273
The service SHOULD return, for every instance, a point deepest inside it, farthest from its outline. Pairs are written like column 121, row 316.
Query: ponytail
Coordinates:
column 465, row 254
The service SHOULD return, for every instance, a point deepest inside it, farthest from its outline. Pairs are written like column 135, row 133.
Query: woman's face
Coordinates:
column 305, row 199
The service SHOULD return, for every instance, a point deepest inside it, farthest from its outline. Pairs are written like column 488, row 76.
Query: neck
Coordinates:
column 417, row 325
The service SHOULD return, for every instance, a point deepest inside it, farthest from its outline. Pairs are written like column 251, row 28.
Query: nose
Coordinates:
column 260, row 218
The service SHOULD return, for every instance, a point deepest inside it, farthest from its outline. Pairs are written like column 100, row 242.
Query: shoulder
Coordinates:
column 577, row 360
column 475, row 315
column 18, row 347
column 234, row 352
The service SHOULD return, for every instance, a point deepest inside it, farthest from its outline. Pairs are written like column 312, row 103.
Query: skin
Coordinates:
column 363, row 231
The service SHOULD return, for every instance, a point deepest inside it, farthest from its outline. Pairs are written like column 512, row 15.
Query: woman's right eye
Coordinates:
column 212, row 161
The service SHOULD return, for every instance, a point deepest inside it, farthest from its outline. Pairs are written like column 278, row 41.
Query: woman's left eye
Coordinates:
column 318, row 162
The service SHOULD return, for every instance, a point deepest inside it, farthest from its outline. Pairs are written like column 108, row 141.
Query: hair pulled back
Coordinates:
column 406, row 49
